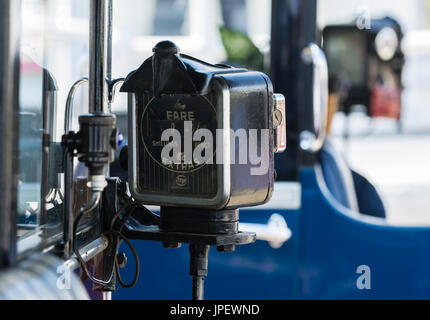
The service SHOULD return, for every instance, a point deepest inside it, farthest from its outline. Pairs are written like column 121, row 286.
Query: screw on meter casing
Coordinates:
column 170, row 90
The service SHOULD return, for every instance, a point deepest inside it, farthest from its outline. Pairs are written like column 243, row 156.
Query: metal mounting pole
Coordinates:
column 99, row 43
column 198, row 268
column 109, row 40
column 198, row 287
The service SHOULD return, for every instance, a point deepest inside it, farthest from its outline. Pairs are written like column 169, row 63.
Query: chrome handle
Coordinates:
column 313, row 141
column 112, row 86
column 276, row 231
column 69, row 104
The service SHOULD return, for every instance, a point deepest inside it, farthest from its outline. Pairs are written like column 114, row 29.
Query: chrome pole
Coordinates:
column 109, row 39
column 99, row 40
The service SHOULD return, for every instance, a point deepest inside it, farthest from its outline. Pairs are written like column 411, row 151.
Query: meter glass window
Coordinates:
column 181, row 177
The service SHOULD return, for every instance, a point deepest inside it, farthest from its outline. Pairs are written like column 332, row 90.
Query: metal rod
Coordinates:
column 69, row 104
column 68, row 205
column 198, row 287
column 198, row 268
column 98, row 55
column 109, row 53
column 109, row 40
column 88, row 252
column 68, row 175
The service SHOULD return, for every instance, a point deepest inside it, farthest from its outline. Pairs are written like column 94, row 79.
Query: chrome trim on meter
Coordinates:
column 280, row 122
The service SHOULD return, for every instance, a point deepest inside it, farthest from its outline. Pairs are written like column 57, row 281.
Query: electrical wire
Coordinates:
column 115, row 268
column 88, row 208
column 115, row 217
column 136, row 258
column 120, row 235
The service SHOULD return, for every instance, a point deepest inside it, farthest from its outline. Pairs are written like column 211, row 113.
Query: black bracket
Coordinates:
column 199, row 228
column 199, row 242
column 134, row 230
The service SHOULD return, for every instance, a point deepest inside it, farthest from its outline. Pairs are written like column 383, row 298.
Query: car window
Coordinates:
column 54, row 53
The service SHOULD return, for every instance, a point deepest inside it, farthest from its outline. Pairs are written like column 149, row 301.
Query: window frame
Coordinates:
column 10, row 25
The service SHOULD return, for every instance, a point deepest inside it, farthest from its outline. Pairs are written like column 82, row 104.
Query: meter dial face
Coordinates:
column 186, row 114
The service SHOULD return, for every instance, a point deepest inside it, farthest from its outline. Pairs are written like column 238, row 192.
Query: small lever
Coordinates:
column 276, row 231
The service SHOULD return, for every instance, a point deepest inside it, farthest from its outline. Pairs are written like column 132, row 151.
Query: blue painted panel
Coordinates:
column 254, row 271
column 334, row 244
column 318, row 262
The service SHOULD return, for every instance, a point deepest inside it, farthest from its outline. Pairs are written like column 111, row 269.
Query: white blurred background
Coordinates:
column 55, row 36
column 397, row 163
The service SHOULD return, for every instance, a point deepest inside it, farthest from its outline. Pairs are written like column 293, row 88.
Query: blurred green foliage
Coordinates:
column 427, row 8
column 240, row 49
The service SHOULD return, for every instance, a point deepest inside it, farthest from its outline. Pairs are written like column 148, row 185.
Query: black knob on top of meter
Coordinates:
column 166, row 47
column 164, row 65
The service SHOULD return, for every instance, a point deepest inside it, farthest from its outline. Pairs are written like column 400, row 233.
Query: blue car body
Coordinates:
column 320, row 260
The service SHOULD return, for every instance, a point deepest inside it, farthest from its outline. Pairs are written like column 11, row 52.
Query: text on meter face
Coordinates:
column 185, row 114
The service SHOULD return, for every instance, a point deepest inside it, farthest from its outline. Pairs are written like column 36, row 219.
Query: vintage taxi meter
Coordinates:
column 201, row 135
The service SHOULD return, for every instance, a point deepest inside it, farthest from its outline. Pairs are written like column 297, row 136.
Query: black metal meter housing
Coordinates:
column 175, row 91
